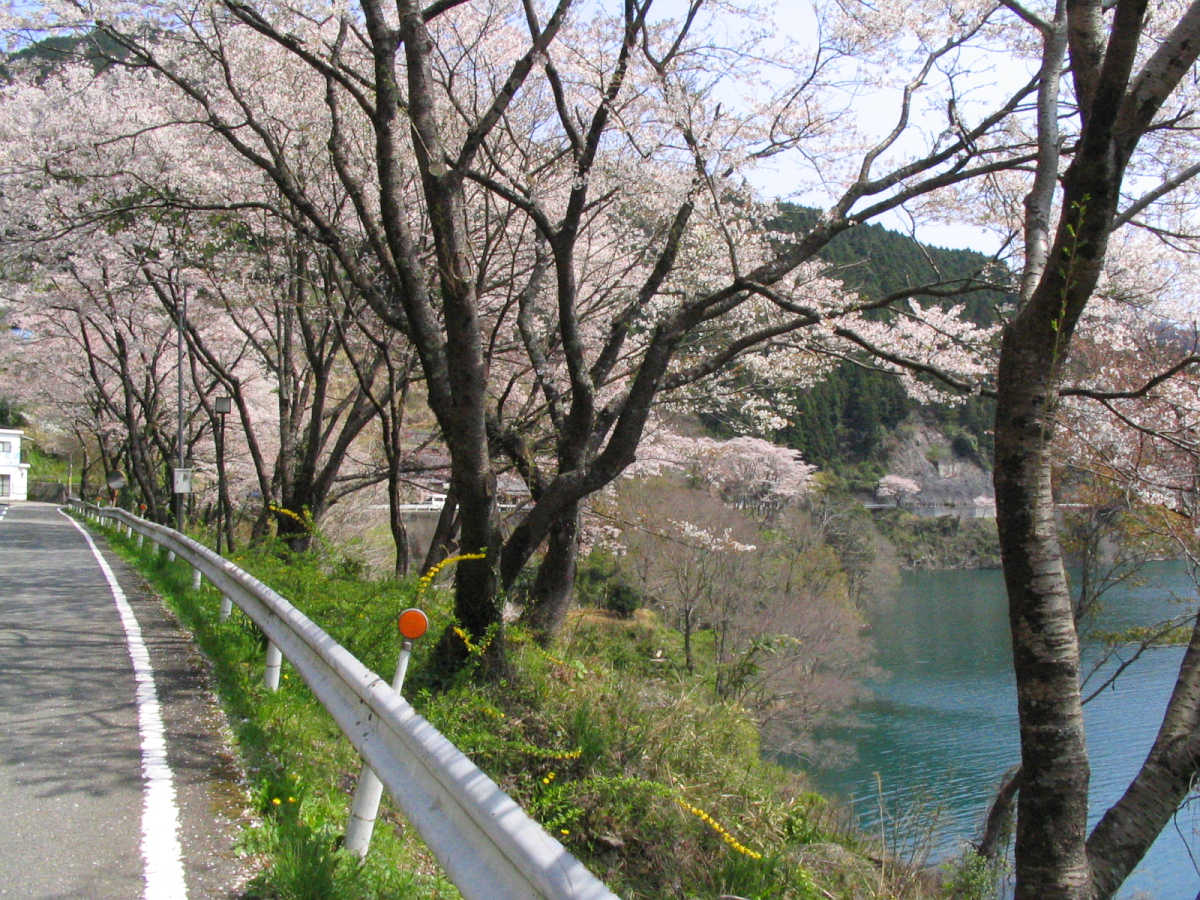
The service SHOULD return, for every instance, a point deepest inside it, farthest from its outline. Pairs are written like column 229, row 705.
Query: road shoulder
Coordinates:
column 209, row 781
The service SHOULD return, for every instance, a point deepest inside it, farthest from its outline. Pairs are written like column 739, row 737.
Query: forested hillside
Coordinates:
column 843, row 420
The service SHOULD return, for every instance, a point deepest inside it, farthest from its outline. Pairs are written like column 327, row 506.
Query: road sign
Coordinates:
column 183, row 481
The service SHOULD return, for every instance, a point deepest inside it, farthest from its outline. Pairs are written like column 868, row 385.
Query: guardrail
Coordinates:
column 488, row 846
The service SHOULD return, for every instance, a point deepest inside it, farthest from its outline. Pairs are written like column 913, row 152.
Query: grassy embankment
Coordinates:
column 46, row 470
column 604, row 739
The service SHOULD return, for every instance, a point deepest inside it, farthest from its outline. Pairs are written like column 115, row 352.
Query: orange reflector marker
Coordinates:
column 413, row 623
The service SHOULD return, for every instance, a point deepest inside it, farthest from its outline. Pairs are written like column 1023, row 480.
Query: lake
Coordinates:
column 941, row 729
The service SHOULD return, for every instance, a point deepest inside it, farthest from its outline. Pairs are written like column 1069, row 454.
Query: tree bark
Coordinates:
column 1131, row 825
column 396, row 520
column 997, row 828
column 552, row 589
column 1052, row 856
column 1052, row 806
column 443, row 533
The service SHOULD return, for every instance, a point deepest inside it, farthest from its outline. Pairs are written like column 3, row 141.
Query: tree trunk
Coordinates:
column 997, row 827
column 1130, row 826
column 224, row 513
column 443, row 533
column 297, row 510
column 396, row 519
column 552, row 589
column 687, row 639
column 84, row 486
column 1052, row 806
column 476, row 595
column 1052, row 857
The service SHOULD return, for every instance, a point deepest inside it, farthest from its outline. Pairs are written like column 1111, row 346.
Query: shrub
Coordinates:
column 964, row 446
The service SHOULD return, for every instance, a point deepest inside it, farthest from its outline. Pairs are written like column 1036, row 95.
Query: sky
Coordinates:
column 875, row 112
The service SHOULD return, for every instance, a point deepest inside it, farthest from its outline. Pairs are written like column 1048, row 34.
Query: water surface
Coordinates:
column 933, row 743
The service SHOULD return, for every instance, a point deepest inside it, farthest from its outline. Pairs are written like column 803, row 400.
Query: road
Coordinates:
column 93, row 806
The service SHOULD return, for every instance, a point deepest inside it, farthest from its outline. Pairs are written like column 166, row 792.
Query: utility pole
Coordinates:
column 222, row 405
column 181, row 481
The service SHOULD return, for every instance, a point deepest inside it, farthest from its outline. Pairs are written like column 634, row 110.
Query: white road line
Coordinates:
column 161, row 854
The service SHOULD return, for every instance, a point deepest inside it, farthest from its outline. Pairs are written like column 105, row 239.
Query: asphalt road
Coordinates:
column 89, row 810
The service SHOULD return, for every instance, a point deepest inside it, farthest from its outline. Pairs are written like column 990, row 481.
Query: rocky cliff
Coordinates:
column 950, row 472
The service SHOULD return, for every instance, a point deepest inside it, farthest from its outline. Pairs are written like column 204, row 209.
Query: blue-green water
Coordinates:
column 942, row 727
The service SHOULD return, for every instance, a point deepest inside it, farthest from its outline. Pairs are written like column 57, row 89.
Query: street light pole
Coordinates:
column 222, row 406
column 179, row 404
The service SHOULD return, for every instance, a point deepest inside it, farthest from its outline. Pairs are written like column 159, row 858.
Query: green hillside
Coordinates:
column 843, row 421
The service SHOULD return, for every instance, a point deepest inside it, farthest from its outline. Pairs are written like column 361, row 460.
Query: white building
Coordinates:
column 14, row 474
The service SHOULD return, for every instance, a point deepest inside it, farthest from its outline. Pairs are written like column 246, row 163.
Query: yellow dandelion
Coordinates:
column 276, row 801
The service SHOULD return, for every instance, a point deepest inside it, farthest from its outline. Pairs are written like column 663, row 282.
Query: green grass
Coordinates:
column 300, row 769
column 604, row 739
column 44, row 467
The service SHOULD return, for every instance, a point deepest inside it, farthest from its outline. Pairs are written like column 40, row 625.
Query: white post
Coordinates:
column 274, row 664
column 370, row 789
column 226, row 607
column 195, row 579
column 141, row 539
column 170, row 556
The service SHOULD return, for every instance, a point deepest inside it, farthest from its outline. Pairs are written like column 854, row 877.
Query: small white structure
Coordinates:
column 14, row 474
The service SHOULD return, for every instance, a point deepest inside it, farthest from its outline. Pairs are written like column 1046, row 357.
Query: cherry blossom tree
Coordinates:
column 481, row 184
column 91, row 341
column 47, row 377
column 267, row 317
column 897, row 486
column 290, row 322
column 1130, row 75
column 748, row 473
column 534, row 135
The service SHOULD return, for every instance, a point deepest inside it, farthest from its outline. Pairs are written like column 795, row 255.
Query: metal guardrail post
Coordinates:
column 412, row 624
column 196, row 579
column 273, row 667
column 226, row 607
